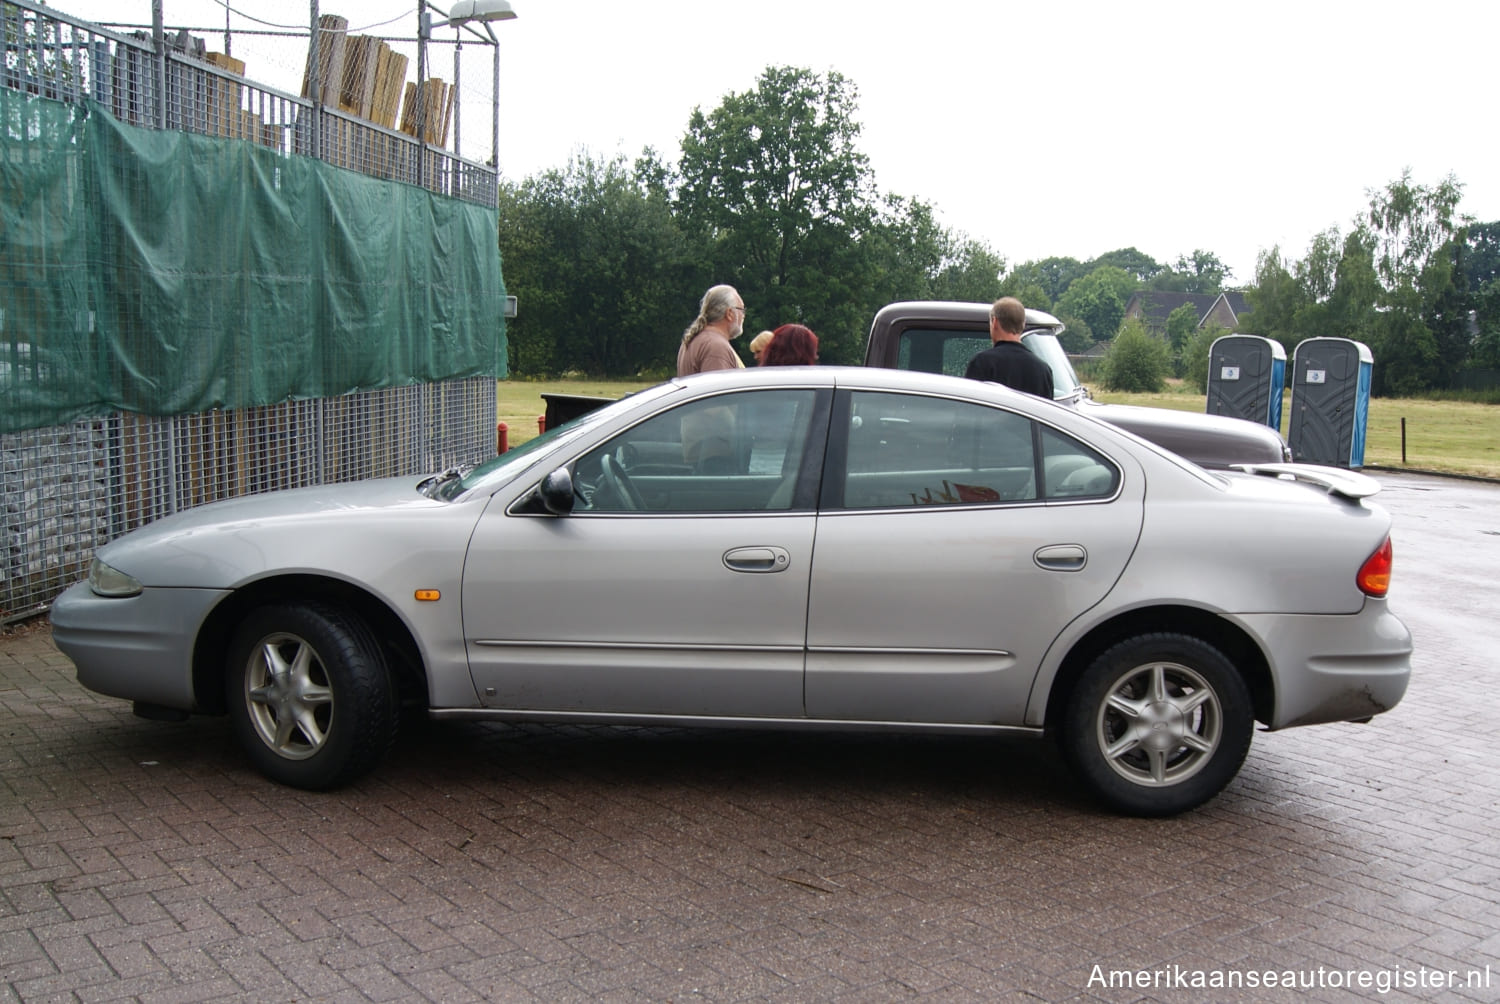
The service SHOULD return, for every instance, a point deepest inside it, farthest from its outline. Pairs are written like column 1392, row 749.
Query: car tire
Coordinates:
column 1157, row 724
column 310, row 694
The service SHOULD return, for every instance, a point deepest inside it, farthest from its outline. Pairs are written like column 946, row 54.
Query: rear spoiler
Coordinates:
column 1347, row 484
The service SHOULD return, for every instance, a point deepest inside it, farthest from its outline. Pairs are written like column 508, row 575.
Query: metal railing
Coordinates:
column 66, row 490
column 179, row 85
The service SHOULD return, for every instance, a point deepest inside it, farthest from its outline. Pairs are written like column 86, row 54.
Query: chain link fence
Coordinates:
column 67, row 489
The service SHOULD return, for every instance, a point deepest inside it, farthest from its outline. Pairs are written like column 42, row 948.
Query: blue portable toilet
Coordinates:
column 1246, row 377
column 1330, row 402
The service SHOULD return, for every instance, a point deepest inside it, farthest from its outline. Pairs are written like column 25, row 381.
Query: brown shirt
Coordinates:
column 709, row 350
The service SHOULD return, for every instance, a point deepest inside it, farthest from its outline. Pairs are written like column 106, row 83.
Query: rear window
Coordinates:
column 929, row 350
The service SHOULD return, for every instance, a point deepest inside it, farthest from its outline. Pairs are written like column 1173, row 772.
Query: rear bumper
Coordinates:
column 139, row 648
column 1335, row 668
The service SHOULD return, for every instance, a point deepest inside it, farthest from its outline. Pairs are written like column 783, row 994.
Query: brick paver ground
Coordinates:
column 484, row 862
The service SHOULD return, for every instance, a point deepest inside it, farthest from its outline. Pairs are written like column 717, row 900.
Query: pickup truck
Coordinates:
column 942, row 336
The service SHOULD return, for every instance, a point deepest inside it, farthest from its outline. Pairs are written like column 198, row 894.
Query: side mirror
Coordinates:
column 556, row 492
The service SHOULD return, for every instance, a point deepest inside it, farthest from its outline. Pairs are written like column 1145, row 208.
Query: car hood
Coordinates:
column 1206, row 440
column 224, row 541
column 299, row 503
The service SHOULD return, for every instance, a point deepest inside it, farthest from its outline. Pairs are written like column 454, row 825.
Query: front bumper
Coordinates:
column 1334, row 668
column 139, row 647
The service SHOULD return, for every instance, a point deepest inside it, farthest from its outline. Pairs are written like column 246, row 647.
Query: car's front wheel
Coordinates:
column 1158, row 724
column 310, row 694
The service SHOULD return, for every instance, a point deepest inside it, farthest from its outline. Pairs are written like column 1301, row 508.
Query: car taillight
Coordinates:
column 1374, row 578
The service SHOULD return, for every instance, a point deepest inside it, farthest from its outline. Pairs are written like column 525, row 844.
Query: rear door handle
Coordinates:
column 1061, row 558
column 757, row 559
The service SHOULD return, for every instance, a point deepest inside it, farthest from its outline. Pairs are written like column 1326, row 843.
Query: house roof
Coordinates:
column 1153, row 307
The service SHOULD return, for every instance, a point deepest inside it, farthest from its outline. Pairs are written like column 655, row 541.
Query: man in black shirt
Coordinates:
column 1007, row 361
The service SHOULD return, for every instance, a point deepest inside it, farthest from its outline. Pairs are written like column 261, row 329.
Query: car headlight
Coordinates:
column 107, row 581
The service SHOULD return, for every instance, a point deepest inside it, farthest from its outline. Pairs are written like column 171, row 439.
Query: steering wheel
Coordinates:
column 612, row 474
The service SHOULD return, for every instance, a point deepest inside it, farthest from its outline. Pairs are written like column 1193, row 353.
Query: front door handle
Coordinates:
column 1061, row 558
column 757, row 559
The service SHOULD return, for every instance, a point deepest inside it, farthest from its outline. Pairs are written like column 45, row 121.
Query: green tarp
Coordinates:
column 170, row 273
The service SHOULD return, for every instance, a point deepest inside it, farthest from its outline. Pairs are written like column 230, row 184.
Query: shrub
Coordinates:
column 1137, row 361
column 1193, row 362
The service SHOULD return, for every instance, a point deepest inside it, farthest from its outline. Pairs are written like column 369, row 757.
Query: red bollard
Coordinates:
column 502, row 438
column 541, row 424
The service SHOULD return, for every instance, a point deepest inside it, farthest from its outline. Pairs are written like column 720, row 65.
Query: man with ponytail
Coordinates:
column 705, row 344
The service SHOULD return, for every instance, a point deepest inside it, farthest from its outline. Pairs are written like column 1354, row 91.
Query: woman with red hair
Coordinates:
column 791, row 345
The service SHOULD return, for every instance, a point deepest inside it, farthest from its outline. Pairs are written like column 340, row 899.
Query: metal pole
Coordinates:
column 495, row 124
column 421, row 94
column 159, row 40
column 458, row 98
column 315, row 86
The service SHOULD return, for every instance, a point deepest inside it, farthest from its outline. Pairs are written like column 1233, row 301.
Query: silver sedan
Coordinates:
column 791, row 547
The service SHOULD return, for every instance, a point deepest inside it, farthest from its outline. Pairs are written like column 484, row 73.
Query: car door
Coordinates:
column 678, row 584
column 955, row 540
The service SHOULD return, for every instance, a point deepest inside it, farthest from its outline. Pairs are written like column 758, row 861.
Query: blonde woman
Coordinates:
column 758, row 346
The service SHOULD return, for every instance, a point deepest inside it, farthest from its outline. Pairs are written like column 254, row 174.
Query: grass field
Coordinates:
column 1457, row 437
column 1451, row 436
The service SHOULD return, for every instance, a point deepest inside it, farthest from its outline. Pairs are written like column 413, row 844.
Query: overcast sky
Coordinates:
column 1046, row 128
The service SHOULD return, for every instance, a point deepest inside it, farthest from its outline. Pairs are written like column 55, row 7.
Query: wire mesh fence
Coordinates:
column 67, row 489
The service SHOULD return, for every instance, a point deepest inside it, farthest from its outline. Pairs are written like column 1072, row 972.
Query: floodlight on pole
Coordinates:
column 480, row 10
column 464, row 14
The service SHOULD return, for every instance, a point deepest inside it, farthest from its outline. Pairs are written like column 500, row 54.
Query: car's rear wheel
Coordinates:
column 1158, row 724
column 310, row 694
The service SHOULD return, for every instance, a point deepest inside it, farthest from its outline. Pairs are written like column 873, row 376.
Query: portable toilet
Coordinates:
column 1330, row 402
column 1246, row 375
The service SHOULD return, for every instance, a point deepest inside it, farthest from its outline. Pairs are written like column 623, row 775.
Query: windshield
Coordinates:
column 946, row 350
column 1045, row 346
column 507, row 465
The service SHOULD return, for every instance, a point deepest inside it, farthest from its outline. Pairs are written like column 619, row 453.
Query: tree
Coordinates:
column 1099, row 299
column 1447, row 307
column 1052, row 275
column 1137, row 361
column 1406, row 355
column 1398, row 282
column 907, row 248
column 1200, row 272
column 778, row 193
column 1408, row 231
column 1030, row 294
column 916, row 258
column 970, row 272
column 1274, row 300
column 1181, row 324
column 1316, row 273
column 1193, row 361
column 655, row 176
column 1141, row 266
column 1205, row 272
column 1350, row 309
column 1331, row 293
column 1076, row 338
column 1481, row 267
column 597, row 262
column 1410, row 223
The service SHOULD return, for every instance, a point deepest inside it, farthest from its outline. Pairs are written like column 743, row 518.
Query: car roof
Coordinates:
column 959, row 310
column 863, row 377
